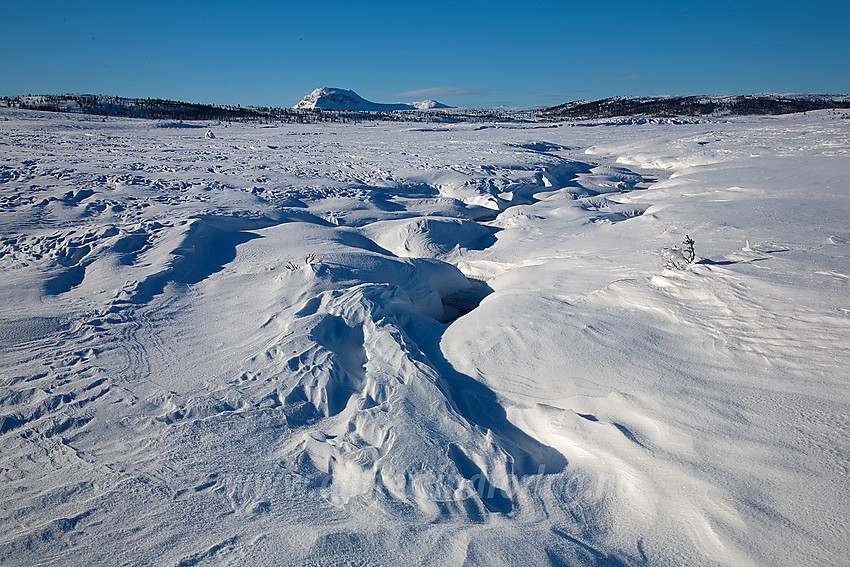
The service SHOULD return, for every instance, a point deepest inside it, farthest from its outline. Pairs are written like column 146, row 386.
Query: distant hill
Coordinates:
column 331, row 98
column 100, row 105
column 430, row 104
column 340, row 105
column 322, row 105
column 693, row 106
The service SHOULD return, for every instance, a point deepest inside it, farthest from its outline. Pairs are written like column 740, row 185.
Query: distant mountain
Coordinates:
column 330, row 98
column 348, row 106
column 694, row 106
column 430, row 105
column 344, row 106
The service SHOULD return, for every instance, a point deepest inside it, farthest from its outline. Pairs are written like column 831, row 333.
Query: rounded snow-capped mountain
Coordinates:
column 429, row 104
column 330, row 98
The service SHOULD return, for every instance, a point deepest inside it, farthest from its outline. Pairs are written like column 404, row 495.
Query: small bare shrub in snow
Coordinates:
column 309, row 260
column 687, row 254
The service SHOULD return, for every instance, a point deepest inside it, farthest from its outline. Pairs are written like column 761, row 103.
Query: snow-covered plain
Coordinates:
column 386, row 344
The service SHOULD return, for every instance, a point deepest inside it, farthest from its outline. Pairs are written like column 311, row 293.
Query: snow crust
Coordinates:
column 350, row 344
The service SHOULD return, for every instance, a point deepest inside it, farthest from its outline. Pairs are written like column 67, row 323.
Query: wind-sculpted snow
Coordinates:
column 369, row 344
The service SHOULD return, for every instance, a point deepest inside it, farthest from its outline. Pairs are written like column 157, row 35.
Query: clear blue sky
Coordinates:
column 462, row 53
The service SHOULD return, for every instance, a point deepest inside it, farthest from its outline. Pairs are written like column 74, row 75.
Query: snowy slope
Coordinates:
column 391, row 345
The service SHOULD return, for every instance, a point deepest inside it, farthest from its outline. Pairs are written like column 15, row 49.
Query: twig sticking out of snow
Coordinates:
column 688, row 254
column 309, row 260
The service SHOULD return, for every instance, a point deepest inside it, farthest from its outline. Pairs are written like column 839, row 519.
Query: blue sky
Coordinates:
column 462, row 53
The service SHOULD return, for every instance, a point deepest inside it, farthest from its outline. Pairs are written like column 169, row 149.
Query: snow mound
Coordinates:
column 430, row 237
column 330, row 98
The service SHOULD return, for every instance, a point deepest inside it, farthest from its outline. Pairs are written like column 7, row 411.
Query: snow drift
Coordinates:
column 373, row 344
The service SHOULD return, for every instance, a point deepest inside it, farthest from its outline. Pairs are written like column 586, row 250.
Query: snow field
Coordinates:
column 342, row 344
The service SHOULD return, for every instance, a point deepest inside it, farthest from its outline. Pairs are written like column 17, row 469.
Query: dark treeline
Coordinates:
column 132, row 108
column 692, row 106
column 157, row 109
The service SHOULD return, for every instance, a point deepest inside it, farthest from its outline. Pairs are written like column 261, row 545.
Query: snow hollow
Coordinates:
column 463, row 344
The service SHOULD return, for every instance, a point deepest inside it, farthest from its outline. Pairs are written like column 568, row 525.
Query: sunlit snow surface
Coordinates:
column 394, row 344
